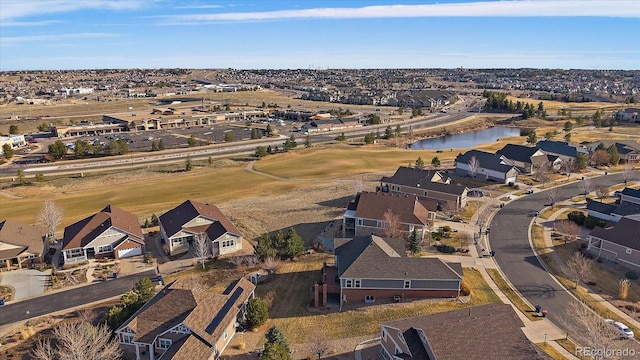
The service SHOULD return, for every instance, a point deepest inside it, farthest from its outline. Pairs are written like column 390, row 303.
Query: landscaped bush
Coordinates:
column 577, row 217
column 446, row 249
column 631, row 275
column 446, row 228
column 464, row 289
column 591, row 222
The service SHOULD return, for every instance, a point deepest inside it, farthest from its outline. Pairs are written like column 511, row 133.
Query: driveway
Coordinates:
column 510, row 240
column 25, row 282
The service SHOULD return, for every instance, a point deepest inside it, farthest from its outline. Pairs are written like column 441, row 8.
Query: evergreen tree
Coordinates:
column 228, row 136
column 295, row 244
column 435, row 162
column 7, row 150
column 415, row 243
column 161, row 144
column 419, row 163
column 532, row 138
column 341, row 137
column 370, row 138
column 275, row 336
column 154, row 146
column 154, row 220
column 257, row 312
column 264, row 247
column 388, row 133
column 57, row 150
column 188, row 166
column 398, row 131
column 581, row 161
column 615, row 155
column 260, row 152
column 279, row 243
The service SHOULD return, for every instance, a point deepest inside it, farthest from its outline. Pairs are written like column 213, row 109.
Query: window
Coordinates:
column 228, row 243
column 378, row 224
column 360, row 222
column 225, row 334
column 628, row 251
column 369, row 299
column 349, row 283
column 164, row 344
column 356, row 283
column 127, row 338
column 407, row 284
column 104, row 249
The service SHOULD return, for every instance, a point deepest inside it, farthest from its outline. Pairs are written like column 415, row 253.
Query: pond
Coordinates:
column 466, row 140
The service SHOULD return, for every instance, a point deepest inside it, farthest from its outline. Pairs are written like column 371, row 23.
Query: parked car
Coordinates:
column 475, row 193
column 621, row 328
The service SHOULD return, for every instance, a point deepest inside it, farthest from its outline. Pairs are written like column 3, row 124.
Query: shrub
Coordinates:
column 257, row 312
column 577, row 217
column 464, row 289
column 446, row 228
column 446, row 249
column 591, row 222
column 631, row 275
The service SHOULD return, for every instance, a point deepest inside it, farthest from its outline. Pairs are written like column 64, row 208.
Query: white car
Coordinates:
column 623, row 329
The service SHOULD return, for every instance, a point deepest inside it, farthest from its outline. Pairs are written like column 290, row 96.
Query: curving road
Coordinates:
column 510, row 240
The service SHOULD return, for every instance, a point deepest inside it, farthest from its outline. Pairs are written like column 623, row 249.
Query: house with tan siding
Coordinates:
column 185, row 323
column 180, row 225
column 381, row 213
column 112, row 232
column 21, row 244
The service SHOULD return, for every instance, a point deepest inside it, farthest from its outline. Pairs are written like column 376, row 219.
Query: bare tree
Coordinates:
column 251, row 260
column 237, row 261
column 568, row 168
column 568, row 229
column 474, row 165
column 483, row 215
column 450, row 209
column 391, row 225
column 543, row 174
column 202, row 247
column 50, row 215
column 358, row 185
column 597, row 332
column 580, row 267
column 552, row 195
column 623, row 289
column 585, row 185
column 271, row 264
column 320, row 345
column 602, row 192
column 79, row 340
column 627, row 173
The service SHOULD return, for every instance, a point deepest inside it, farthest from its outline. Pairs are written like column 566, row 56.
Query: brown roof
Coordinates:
column 626, row 232
column 86, row 230
column 189, row 347
column 173, row 220
column 205, row 314
column 408, row 208
column 490, row 331
column 355, row 256
column 418, row 178
column 27, row 238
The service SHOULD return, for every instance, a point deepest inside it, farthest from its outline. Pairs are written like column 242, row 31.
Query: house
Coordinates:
column 560, row 148
column 112, row 232
column 369, row 269
column 428, row 184
column 184, row 323
column 526, row 158
column 612, row 212
column 484, row 332
column 371, row 213
column 617, row 241
column 486, row 165
column 20, row 243
column 179, row 225
column 630, row 195
column 628, row 114
column 628, row 150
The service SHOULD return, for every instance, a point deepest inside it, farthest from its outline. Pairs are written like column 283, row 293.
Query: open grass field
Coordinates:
column 577, row 108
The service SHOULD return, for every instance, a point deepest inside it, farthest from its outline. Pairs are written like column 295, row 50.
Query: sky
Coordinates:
column 319, row 34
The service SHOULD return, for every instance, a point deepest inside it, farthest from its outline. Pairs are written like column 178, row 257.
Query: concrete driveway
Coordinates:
column 25, row 282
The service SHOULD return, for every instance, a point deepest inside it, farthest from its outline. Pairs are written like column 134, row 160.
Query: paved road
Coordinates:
column 509, row 239
column 25, row 282
column 58, row 301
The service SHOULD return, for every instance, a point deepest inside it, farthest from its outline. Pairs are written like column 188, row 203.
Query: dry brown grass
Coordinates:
column 551, row 351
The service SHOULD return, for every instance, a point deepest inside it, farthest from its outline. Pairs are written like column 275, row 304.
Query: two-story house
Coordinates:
column 528, row 159
column 179, row 225
column 184, row 323
column 630, row 195
column 112, row 232
column 618, row 242
column 426, row 184
column 382, row 213
column 371, row 268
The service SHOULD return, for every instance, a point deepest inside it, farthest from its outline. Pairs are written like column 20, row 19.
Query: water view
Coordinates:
column 466, row 140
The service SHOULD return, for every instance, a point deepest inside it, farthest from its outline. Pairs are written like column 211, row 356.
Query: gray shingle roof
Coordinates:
column 356, row 256
column 484, row 332
column 518, row 152
column 412, row 177
column 625, row 232
column 486, row 160
column 557, row 147
column 631, row 192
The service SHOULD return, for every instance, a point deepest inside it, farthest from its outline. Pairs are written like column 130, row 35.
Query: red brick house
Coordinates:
column 112, row 232
column 371, row 268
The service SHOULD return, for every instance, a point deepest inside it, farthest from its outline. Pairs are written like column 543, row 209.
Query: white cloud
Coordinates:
column 13, row 40
column 198, row 7
column 28, row 23
column 16, row 9
column 518, row 8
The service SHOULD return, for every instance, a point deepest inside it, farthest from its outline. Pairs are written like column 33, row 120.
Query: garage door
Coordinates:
column 511, row 180
column 129, row 252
